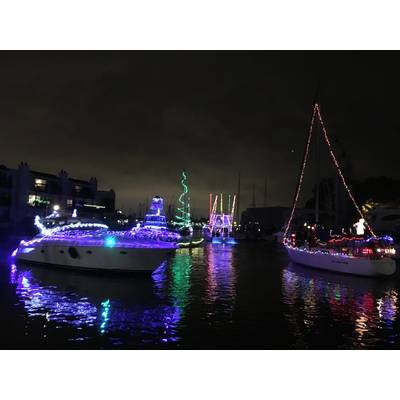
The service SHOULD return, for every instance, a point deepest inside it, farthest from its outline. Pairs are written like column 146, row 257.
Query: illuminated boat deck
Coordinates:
column 105, row 238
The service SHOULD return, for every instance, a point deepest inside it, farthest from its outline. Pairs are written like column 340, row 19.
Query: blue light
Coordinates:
column 219, row 240
column 110, row 241
column 26, row 250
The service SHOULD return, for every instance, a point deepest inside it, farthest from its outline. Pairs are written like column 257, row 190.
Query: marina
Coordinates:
column 85, row 280
column 247, row 296
column 199, row 200
column 183, row 228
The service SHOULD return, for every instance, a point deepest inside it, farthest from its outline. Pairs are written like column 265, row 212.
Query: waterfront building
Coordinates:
column 25, row 193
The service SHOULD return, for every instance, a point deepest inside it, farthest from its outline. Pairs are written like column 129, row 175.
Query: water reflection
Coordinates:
column 181, row 269
column 47, row 302
column 363, row 311
column 173, row 284
column 220, row 291
column 122, row 310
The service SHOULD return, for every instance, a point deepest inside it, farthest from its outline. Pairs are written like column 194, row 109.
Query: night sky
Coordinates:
column 135, row 119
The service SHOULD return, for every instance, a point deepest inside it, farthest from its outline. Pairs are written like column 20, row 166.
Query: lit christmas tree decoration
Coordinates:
column 182, row 219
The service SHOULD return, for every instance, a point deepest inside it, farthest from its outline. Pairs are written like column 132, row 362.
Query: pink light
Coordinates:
column 367, row 251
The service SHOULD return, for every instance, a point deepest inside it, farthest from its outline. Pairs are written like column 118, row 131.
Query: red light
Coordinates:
column 367, row 251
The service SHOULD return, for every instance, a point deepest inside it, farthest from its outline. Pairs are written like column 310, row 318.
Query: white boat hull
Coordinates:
column 95, row 258
column 341, row 263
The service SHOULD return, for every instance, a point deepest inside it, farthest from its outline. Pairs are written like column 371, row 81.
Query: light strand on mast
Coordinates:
column 233, row 207
column 339, row 169
column 301, row 176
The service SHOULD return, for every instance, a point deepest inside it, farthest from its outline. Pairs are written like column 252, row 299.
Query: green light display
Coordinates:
column 182, row 219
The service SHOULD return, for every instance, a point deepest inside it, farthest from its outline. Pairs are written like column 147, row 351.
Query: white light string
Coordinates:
column 301, row 176
column 317, row 111
column 340, row 171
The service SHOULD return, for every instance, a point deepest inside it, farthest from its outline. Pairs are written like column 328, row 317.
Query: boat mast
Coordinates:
column 317, row 161
column 317, row 177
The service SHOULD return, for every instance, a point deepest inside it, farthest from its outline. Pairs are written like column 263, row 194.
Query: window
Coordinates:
column 35, row 200
column 78, row 188
column 40, row 184
column 31, row 199
column 69, row 202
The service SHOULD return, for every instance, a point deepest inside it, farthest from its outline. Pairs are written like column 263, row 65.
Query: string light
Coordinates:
column 301, row 176
column 339, row 169
column 155, row 218
column 233, row 207
column 317, row 112
column 193, row 243
column 50, row 231
column 183, row 217
column 221, row 223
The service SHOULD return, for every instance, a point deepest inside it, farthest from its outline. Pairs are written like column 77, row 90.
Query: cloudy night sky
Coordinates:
column 135, row 119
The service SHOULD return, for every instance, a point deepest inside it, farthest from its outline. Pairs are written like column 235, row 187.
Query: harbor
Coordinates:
column 247, row 296
column 190, row 234
column 199, row 200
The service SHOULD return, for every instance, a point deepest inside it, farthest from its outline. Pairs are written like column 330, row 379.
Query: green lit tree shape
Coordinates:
column 182, row 218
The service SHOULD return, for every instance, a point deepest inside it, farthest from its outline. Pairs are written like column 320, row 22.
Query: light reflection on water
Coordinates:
column 213, row 297
column 50, row 303
column 138, row 311
column 364, row 309
column 220, row 291
column 65, row 299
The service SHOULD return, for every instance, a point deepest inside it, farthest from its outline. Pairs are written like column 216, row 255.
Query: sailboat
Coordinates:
column 360, row 254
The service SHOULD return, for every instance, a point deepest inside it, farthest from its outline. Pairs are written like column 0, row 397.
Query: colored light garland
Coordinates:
column 317, row 112
column 339, row 169
column 220, row 222
column 192, row 243
column 183, row 219
column 77, row 234
column 77, row 225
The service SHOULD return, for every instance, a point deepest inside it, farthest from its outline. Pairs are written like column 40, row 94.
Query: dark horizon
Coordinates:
column 136, row 119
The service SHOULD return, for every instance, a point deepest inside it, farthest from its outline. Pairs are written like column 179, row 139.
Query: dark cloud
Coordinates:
column 135, row 119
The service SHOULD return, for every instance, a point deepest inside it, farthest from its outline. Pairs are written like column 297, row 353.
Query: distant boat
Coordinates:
column 371, row 256
column 220, row 223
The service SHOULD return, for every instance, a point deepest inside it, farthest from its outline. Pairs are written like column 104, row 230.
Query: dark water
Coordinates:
column 246, row 296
